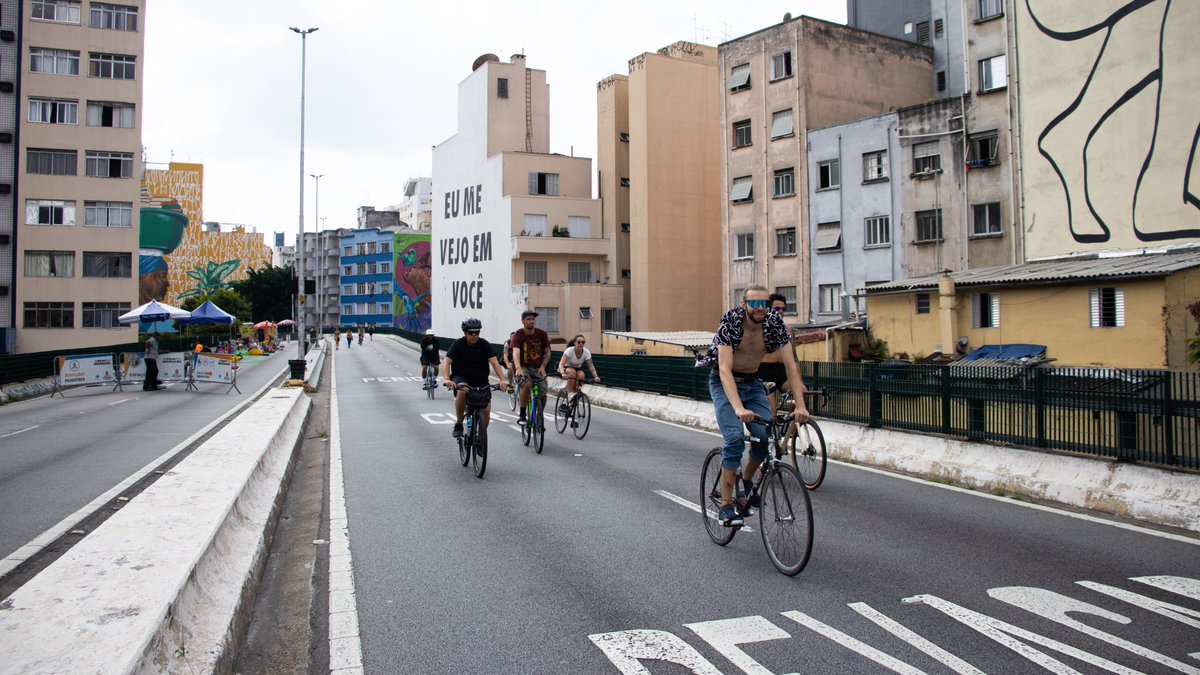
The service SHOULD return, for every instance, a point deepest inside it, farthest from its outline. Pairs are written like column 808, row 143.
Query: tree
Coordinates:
column 269, row 291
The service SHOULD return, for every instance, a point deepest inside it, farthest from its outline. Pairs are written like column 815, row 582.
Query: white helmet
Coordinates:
column 429, row 332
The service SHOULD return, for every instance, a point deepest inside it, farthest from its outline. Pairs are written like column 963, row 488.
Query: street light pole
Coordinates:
column 303, row 331
column 320, row 309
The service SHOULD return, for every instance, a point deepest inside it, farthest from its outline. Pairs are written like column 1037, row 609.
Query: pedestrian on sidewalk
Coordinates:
column 151, row 358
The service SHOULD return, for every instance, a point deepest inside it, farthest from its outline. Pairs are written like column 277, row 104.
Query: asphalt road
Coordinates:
column 585, row 559
column 59, row 454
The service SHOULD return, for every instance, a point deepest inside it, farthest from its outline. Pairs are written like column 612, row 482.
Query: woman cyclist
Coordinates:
column 570, row 366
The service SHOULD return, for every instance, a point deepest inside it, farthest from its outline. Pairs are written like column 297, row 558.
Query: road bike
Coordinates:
column 804, row 444
column 430, row 381
column 472, row 445
column 785, row 511
column 574, row 410
column 535, row 424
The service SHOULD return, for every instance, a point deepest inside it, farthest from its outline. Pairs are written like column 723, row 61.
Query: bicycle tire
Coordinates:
column 538, row 421
column 785, row 520
column 464, row 450
column 581, row 415
column 430, row 385
column 710, row 500
column 514, row 396
column 478, row 445
column 806, row 447
column 527, row 428
column 561, row 418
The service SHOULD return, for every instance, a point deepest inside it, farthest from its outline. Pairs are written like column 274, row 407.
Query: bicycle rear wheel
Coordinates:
column 581, row 417
column 785, row 520
column 806, row 447
column 538, row 422
column 710, row 499
column 527, row 428
column 430, row 385
column 479, row 445
column 561, row 418
column 464, row 450
column 514, row 396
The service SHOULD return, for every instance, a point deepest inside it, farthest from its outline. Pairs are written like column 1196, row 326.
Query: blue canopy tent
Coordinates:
column 208, row 314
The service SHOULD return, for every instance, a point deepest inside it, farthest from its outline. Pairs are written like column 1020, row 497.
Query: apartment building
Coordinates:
column 658, row 158
column 10, row 102
column 366, row 277
column 323, row 265
column 416, row 211
column 79, row 136
column 514, row 225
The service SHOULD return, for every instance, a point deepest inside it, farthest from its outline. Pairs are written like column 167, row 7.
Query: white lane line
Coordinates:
column 690, row 504
column 345, row 647
column 21, row 431
column 120, row 402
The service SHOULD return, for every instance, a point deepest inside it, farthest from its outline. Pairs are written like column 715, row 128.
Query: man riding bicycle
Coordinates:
column 746, row 333
column 530, row 352
column 507, row 362
column 771, row 368
column 571, row 365
column 430, row 354
column 466, row 363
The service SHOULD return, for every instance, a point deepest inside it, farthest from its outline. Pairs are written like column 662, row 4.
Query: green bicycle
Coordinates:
column 535, row 424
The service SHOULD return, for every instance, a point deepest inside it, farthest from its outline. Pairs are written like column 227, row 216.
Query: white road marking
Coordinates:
column 120, row 402
column 895, row 628
column 690, row 504
column 885, row 660
column 1166, row 609
column 345, row 647
column 726, row 634
column 627, row 647
column 21, row 431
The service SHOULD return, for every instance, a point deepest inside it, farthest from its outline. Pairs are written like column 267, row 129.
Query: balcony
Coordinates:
column 547, row 245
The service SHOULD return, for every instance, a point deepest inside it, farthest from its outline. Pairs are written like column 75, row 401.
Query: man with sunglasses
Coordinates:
column 771, row 369
column 530, row 353
column 467, row 362
column 745, row 335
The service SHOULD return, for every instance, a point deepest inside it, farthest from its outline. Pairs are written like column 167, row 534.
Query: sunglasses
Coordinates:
column 757, row 304
column 472, row 332
column 580, row 342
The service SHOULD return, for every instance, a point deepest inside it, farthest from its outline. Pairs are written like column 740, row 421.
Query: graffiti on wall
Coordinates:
column 411, row 309
column 1111, row 120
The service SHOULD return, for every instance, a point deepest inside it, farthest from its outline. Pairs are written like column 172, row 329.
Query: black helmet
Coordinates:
column 471, row 323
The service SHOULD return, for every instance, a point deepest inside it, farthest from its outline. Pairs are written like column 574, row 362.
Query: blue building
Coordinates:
column 366, row 263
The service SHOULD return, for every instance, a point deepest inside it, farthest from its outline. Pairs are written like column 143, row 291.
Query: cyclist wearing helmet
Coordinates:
column 430, row 354
column 467, row 362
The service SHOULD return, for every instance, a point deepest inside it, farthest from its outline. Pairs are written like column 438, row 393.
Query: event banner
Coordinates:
column 85, row 369
column 214, row 368
column 170, row 367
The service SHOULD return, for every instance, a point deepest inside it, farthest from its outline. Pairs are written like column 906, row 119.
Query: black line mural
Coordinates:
column 1141, row 99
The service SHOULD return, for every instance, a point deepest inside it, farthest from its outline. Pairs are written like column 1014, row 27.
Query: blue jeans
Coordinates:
column 754, row 399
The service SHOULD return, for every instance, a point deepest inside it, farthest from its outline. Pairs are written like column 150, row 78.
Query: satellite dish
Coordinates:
column 484, row 59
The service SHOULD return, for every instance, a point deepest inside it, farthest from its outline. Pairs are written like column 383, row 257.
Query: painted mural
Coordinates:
column 178, row 258
column 1110, row 118
column 411, row 309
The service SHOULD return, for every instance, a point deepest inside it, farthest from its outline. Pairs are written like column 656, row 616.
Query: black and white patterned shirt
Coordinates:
column 729, row 334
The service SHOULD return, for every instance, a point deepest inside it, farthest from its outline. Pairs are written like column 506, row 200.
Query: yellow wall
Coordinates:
column 622, row 346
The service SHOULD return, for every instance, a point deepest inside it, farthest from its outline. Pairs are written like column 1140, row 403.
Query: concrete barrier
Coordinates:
column 166, row 585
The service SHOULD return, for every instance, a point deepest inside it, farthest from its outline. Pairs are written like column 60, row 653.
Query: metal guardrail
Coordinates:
column 21, row 367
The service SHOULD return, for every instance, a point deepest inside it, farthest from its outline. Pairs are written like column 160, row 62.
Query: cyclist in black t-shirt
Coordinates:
column 430, row 354
column 467, row 362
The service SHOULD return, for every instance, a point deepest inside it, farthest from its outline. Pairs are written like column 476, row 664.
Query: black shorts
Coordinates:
column 430, row 360
column 773, row 372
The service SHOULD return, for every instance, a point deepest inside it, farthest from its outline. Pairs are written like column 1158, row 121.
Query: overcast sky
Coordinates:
column 222, row 86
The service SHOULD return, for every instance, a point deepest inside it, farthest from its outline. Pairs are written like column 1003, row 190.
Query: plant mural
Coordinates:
column 411, row 309
column 209, row 279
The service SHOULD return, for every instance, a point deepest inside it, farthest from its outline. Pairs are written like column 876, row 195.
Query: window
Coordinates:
column 543, row 183
column 111, row 66
column 385, row 268
column 923, row 33
column 829, row 237
column 372, row 247
column 103, row 314
column 348, row 289
column 922, row 303
column 739, row 77
column 985, row 310
column 830, row 298
column 385, row 308
column 938, row 27
column 990, row 8
column 385, row 247
column 347, row 309
column 624, row 137
column 53, row 111
column 829, row 174
column 372, row 268
column 547, row 318
column 875, row 166
column 929, row 226
column 788, row 292
column 49, row 315
column 49, row 263
column 1106, row 307
column 985, row 219
column 49, row 212
column 743, row 246
column 51, row 162
column 993, row 73
column 877, row 231
column 66, row 11
column 984, row 150
column 927, row 157
column 347, row 250
column 103, row 164
column 535, row 225
column 785, row 241
column 360, row 248
column 781, row 124
column 785, row 182
column 348, row 270
column 535, row 272
column 117, row 115
column 579, row 273
column 624, row 182
column 742, row 190
column 741, row 134
column 114, row 17
column 941, row 80
column 53, row 61
column 501, row 87
column 781, row 66
column 585, row 312
column 107, row 265
column 579, row 226
column 613, row 318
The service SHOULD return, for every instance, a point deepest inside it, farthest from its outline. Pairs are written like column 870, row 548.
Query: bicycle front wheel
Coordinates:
column 581, row 416
column 464, row 450
column 806, row 446
column 785, row 520
column 430, row 385
column 514, row 396
column 561, row 417
column 479, row 446
column 710, row 499
column 538, row 422
column 527, row 428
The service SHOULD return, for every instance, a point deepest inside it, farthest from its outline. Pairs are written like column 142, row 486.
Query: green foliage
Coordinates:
column 876, row 349
column 210, row 278
column 269, row 291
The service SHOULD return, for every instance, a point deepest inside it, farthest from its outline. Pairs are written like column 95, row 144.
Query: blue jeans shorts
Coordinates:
column 754, row 398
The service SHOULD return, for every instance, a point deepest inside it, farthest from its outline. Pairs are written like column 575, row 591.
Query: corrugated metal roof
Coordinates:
column 683, row 338
column 1064, row 269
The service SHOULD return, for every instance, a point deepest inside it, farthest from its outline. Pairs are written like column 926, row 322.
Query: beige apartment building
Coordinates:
column 79, row 159
column 776, row 85
column 659, row 158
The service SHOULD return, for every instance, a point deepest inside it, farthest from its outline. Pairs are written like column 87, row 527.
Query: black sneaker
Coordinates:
column 729, row 517
column 564, row 409
column 458, row 430
column 521, row 418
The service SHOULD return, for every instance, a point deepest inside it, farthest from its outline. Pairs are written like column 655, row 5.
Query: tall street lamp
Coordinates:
column 320, row 260
column 303, row 335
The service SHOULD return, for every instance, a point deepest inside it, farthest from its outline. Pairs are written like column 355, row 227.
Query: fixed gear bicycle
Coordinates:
column 577, row 412
column 803, row 443
column 785, row 511
column 472, row 445
column 535, row 424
